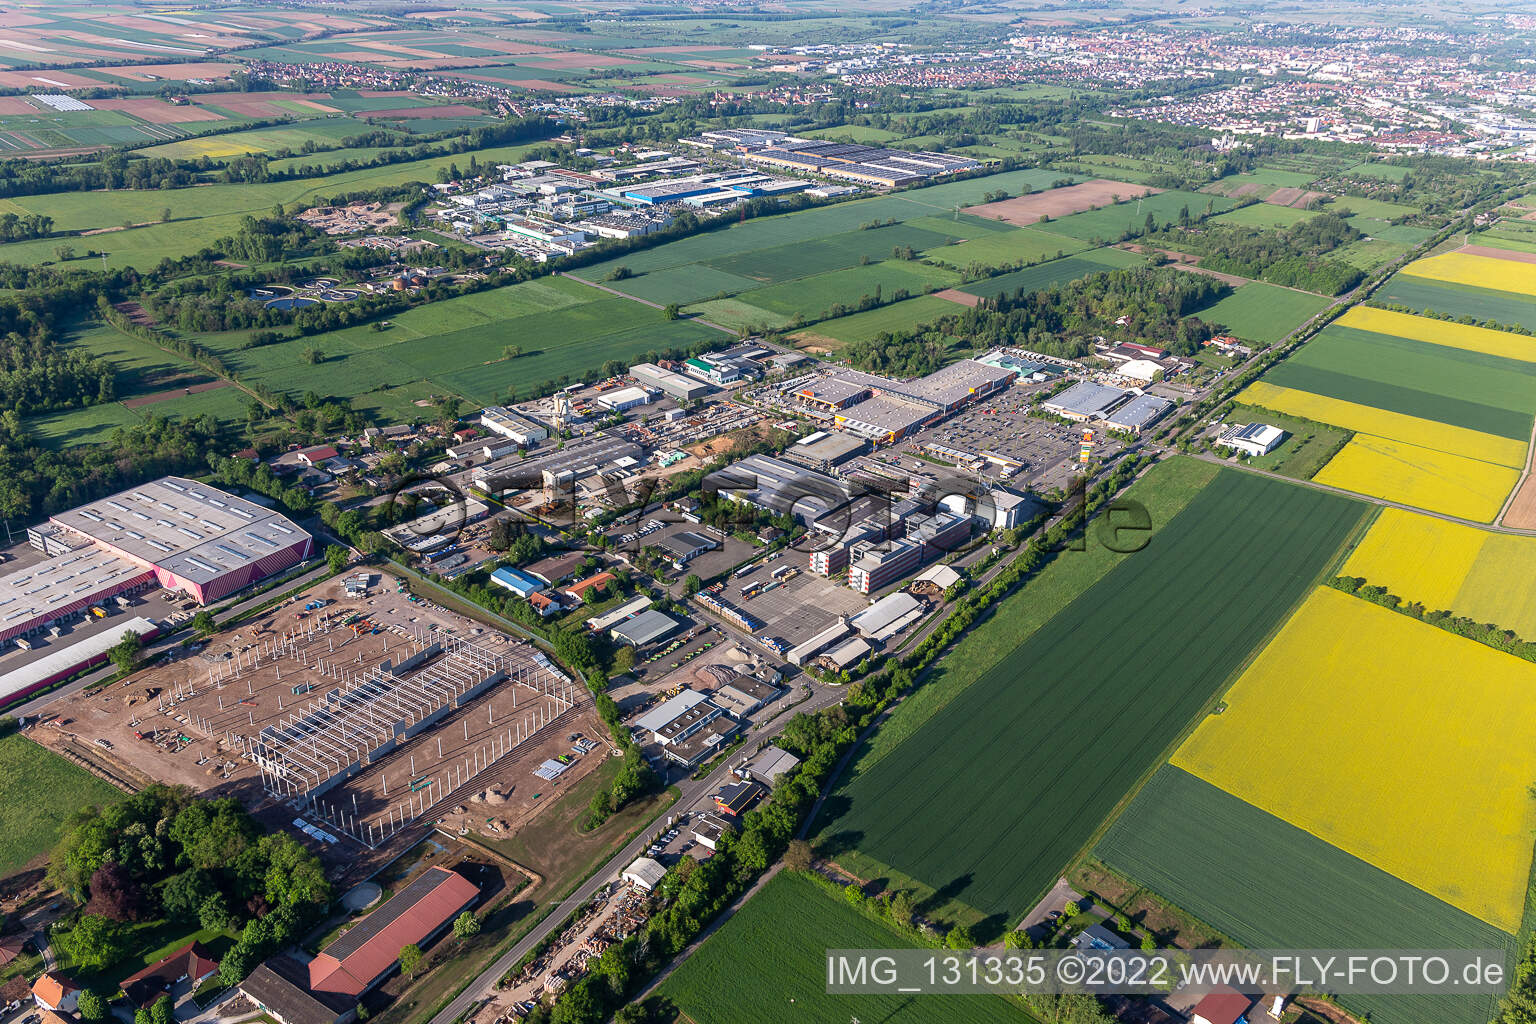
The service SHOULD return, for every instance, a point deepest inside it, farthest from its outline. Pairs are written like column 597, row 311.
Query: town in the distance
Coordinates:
column 558, row 512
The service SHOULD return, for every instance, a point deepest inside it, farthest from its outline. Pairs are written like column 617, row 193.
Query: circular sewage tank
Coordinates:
column 361, row 896
column 293, row 302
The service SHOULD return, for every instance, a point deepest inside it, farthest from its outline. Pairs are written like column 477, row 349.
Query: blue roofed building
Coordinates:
column 517, row 581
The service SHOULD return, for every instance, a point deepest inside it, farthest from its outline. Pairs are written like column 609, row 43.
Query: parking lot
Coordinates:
column 1009, row 444
column 802, row 603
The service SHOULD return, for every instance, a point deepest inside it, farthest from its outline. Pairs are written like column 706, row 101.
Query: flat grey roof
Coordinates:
column 888, row 412
column 190, row 529
column 1087, row 399
column 645, row 627
column 955, row 382
column 40, row 590
column 1139, row 411
column 688, row 542
column 670, row 710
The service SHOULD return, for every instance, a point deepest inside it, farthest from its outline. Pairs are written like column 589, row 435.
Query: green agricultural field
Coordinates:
column 899, row 316
column 1027, row 761
column 92, row 425
column 807, row 227
column 997, row 248
column 812, row 296
column 39, row 790
column 1263, row 313
column 1475, row 390
column 1110, row 223
column 561, row 326
column 142, row 368
column 1481, row 304
column 676, row 284
column 866, row 134
column 781, row 263
column 736, row 314
column 1307, row 449
column 1264, row 215
column 1164, row 492
column 771, row 955
column 1055, row 272
column 1370, row 253
column 197, row 215
column 1376, row 208
column 1512, row 243
column 322, row 131
column 1270, row 885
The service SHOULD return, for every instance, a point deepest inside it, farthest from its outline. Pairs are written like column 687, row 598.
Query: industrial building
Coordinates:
column 673, row 385
column 770, row 764
column 887, row 616
column 606, row 621
column 1253, row 439
column 580, row 458
column 825, row 450
column 62, row 588
column 884, row 410
column 1138, row 414
column 644, row 873
column 517, row 581
column 1086, row 401
column 833, row 634
column 368, row 951
column 645, row 628
column 686, row 546
column 855, row 162
column 625, row 399
column 193, row 537
column 62, row 662
column 779, row 488
column 688, row 727
column 520, row 429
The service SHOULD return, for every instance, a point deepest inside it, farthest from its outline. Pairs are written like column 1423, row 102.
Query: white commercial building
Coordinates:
column 1252, row 438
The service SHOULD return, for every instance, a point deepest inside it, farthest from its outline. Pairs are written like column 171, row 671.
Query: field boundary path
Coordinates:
column 1525, row 476
column 643, row 302
column 1494, row 527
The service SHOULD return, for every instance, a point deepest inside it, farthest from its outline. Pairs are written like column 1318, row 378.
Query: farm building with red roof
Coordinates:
column 365, row 954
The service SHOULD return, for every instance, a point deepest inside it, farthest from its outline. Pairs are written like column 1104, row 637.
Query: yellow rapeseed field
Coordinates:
column 1404, row 745
column 1365, row 419
column 1440, row 332
column 1422, row 477
column 1419, row 558
column 1489, row 577
column 1479, row 271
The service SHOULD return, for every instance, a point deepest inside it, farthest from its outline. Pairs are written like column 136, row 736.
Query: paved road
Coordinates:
column 40, row 703
column 692, row 791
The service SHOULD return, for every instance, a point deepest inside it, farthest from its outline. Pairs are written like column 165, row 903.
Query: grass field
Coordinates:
column 1374, row 208
column 812, row 296
column 1489, row 577
column 1478, row 271
column 1369, row 253
column 1109, row 223
column 1263, row 215
column 1073, row 731
column 1055, row 272
column 1441, row 332
column 899, row 316
column 325, row 131
column 1263, row 313
column 996, row 248
column 1480, row 392
column 1480, row 304
column 1307, row 449
column 1270, row 885
column 1433, row 792
column 770, row 958
column 38, row 791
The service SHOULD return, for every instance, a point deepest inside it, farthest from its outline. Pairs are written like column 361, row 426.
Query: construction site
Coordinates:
column 349, row 713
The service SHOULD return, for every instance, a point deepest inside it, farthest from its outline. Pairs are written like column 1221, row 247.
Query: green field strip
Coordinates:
column 1264, row 313
column 1268, row 884
column 1054, row 272
column 1026, row 762
column 1459, row 300
column 1428, row 405
column 1110, row 223
column 771, row 954
column 835, row 252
